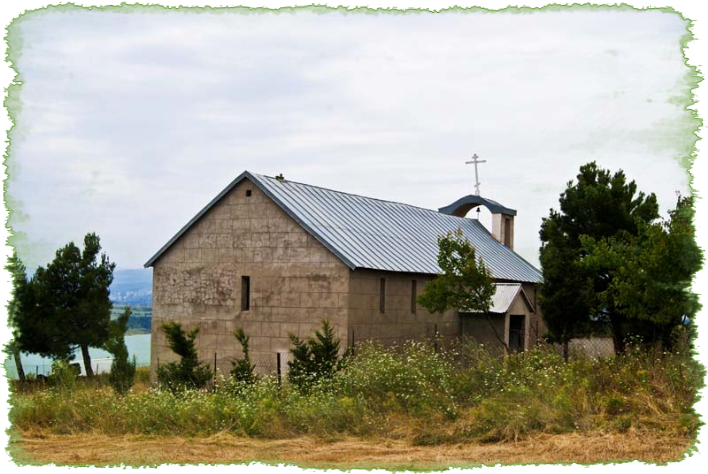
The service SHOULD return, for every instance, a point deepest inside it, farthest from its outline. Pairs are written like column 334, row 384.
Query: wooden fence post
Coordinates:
column 214, row 379
column 278, row 368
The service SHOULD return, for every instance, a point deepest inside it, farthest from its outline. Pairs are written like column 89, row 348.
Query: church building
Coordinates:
column 277, row 257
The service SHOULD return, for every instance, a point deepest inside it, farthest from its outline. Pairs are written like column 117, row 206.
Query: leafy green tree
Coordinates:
column 73, row 295
column 188, row 373
column 314, row 359
column 600, row 206
column 649, row 274
column 464, row 283
column 122, row 374
column 242, row 370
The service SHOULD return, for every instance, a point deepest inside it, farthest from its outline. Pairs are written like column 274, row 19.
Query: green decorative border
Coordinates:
column 696, row 56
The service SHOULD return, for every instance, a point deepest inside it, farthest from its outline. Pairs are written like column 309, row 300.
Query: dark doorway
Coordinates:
column 516, row 333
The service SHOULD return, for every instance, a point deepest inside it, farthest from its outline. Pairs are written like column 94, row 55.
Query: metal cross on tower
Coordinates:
column 475, row 160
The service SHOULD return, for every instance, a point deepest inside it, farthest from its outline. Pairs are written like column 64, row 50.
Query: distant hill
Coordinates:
column 132, row 287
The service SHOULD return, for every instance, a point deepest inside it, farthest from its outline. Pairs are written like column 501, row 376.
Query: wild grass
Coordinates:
column 411, row 392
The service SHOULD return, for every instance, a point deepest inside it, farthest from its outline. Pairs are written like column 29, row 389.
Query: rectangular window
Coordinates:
column 248, row 193
column 382, row 296
column 414, row 295
column 245, row 293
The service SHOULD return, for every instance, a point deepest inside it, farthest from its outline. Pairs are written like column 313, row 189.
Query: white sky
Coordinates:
column 131, row 123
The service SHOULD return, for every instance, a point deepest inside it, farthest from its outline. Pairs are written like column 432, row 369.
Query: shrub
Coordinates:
column 122, row 374
column 314, row 359
column 188, row 373
column 63, row 375
column 242, row 370
column 412, row 379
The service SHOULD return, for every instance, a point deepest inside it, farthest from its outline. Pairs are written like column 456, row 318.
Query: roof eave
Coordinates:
column 198, row 216
column 247, row 175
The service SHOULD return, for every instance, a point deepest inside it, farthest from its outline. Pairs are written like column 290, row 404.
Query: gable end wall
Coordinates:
column 295, row 282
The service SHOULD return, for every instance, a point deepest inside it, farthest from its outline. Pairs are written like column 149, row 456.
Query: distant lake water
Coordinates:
column 138, row 346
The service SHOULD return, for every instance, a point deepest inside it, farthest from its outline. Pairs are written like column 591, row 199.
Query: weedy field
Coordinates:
column 404, row 406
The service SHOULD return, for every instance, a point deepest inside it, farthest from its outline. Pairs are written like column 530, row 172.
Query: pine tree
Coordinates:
column 188, row 373
column 600, row 206
column 650, row 274
column 314, row 359
column 242, row 370
column 122, row 373
column 73, row 293
column 32, row 319
column 16, row 309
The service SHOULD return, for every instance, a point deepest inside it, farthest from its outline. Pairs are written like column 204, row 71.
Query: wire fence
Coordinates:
column 277, row 363
column 99, row 366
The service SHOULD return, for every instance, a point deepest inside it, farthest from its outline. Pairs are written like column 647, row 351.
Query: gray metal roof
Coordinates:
column 504, row 296
column 374, row 234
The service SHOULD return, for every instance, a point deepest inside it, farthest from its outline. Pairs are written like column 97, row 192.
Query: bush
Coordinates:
column 242, row 370
column 414, row 379
column 188, row 373
column 314, row 359
column 122, row 374
column 63, row 375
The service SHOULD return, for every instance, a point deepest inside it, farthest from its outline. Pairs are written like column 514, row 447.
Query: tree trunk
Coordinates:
column 18, row 363
column 617, row 336
column 87, row 360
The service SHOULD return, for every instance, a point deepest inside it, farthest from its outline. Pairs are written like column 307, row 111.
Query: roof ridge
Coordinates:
column 367, row 232
column 357, row 195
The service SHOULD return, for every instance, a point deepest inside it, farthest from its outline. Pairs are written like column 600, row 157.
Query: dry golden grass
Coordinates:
column 345, row 453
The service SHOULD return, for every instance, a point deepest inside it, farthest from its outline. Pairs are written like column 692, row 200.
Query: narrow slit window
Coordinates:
column 414, row 294
column 245, row 293
column 382, row 296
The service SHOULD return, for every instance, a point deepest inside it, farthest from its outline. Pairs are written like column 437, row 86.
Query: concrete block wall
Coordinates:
column 295, row 282
column 477, row 327
column 398, row 322
column 499, row 229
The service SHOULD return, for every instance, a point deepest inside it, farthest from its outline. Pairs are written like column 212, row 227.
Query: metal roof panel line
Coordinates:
column 371, row 233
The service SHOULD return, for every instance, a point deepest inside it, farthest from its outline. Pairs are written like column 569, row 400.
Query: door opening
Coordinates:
column 516, row 333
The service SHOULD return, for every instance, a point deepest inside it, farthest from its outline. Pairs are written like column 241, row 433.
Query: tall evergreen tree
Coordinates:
column 650, row 274
column 73, row 292
column 34, row 327
column 598, row 205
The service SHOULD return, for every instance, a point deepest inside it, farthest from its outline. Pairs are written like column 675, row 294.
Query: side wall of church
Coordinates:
column 295, row 282
column 535, row 328
column 399, row 320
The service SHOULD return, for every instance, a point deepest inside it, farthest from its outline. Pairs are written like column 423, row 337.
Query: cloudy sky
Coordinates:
column 129, row 121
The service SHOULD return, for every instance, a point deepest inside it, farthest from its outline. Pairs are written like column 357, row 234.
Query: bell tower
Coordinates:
column 502, row 217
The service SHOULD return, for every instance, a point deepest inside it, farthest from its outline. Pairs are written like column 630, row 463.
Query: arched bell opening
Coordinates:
column 502, row 218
